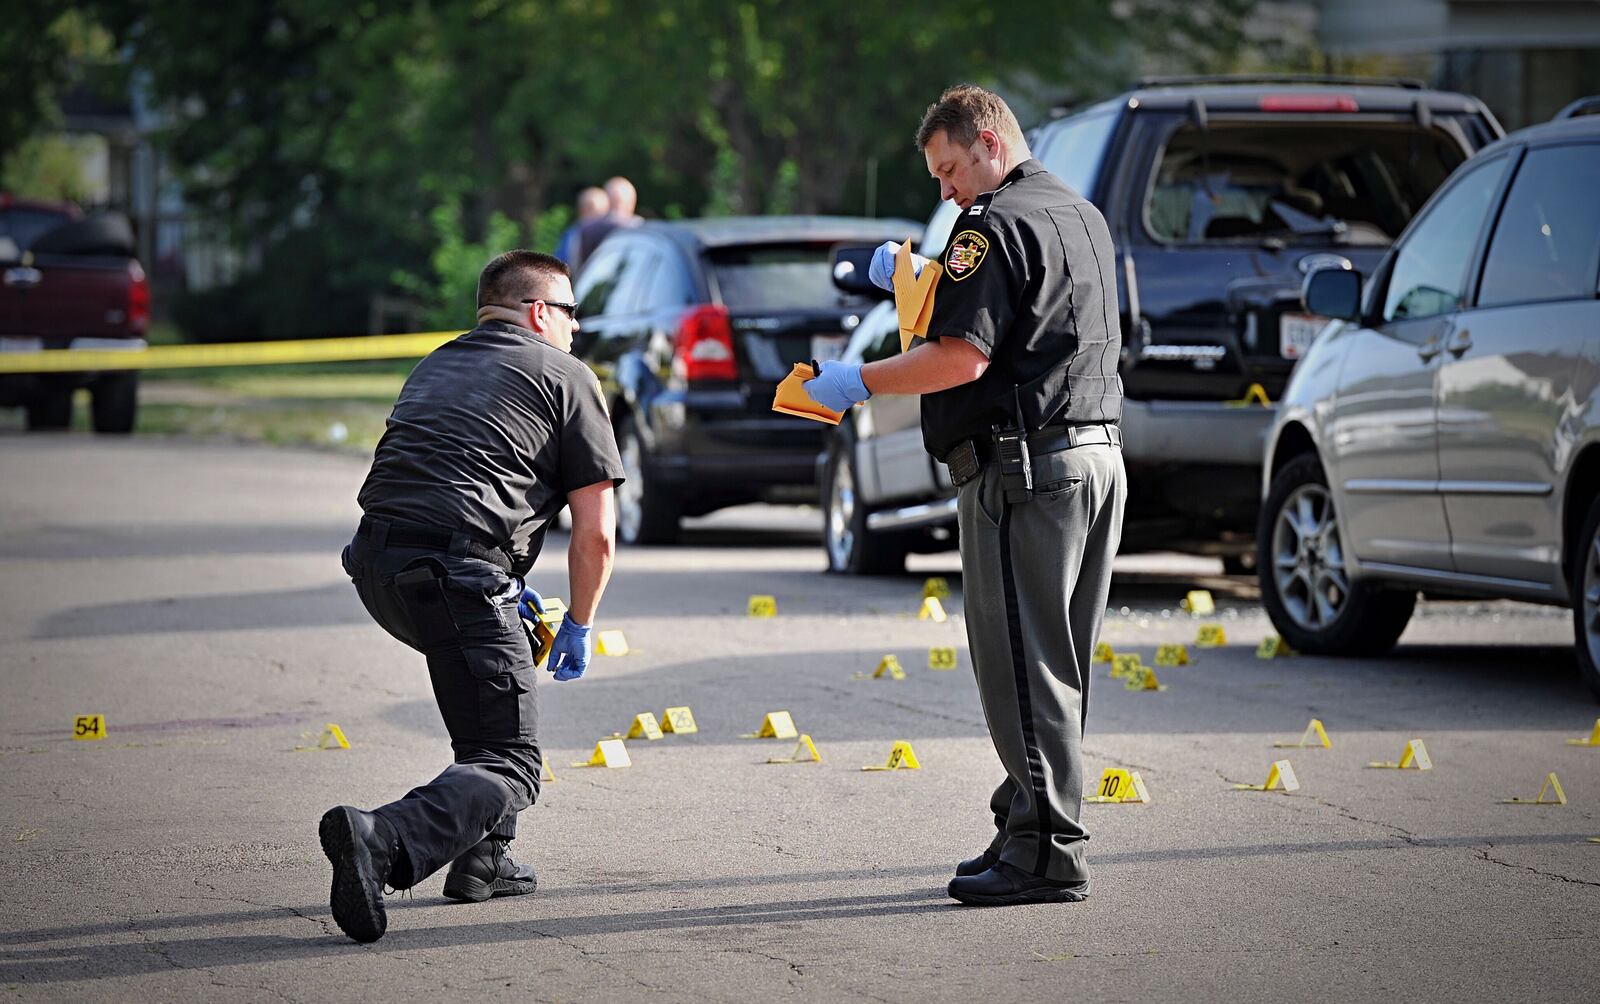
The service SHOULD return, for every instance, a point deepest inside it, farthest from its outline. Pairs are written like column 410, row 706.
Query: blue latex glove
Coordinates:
column 569, row 653
column 838, row 386
column 531, row 604
column 881, row 270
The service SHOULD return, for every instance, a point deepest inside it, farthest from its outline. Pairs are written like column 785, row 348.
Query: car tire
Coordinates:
column 1585, row 585
column 114, row 402
column 49, row 409
column 1305, row 584
column 851, row 548
column 644, row 516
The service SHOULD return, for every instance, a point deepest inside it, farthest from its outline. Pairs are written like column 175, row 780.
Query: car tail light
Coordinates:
column 1309, row 103
column 704, row 346
column 138, row 298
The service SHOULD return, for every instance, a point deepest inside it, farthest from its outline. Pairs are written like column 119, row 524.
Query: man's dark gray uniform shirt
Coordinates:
column 1029, row 279
column 490, row 433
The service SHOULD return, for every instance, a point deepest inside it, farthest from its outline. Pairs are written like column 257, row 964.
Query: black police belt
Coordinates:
column 382, row 532
column 1014, row 449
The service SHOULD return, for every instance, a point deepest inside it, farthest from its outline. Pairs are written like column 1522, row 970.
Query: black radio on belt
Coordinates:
column 1016, row 468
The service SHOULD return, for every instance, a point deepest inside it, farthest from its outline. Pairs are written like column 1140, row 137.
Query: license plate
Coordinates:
column 21, row 344
column 1296, row 332
column 826, row 347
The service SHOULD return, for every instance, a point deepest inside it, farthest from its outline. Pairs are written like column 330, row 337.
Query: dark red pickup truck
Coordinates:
column 70, row 281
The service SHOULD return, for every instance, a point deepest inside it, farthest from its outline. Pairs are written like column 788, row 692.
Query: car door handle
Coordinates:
column 1460, row 341
column 1428, row 349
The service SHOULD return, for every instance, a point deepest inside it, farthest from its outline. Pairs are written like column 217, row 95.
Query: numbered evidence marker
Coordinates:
column 889, row 666
column 1313, row 731
column 941, row 658
column 1118, row 785
column 607, row 753
column 679, row 721
column 937, row 588
column 900, row 758
column 1211, row 636
column 1592, row 740
column 1279, row 776
column 777, row 725
column 1103, row 653
column 1172, row 655
column 545, row 625
column 644, row 727
column 1199, row 603
column 805, row 751
column 612, row 643
column 89, row 727
column 1273, row 647
column 1126, row 666
column 932, row 610
column 1414, row 755
column 1144, row 678
column 763, row 606
column 1550, row 785
column 332, row 738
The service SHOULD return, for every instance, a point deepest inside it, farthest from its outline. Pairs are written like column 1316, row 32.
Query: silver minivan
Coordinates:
column 1443, row 433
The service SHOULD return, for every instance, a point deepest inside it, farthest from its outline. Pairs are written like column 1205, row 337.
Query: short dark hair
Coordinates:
column 965, row 110
column 518, row 275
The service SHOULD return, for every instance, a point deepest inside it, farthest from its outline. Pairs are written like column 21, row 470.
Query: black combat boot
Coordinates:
column 1005, row 885
column 487, row 870
column 364, row 850
column 977, row 865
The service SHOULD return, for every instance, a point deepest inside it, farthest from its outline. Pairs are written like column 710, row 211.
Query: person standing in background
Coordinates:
column 593, row 203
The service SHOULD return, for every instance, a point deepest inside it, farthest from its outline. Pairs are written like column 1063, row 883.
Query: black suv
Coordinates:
column 1221, row 194
column 690, row 326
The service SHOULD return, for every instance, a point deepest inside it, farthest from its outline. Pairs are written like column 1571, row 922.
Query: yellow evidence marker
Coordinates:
column 644, row 726
column 941, row 658
column 1199, row 602
column 612, row 643
column 1256, row 394
column 1414, row 755
column 805, row 751
column 1551, row 785
column 679, row 721
column 545, row 626
column 1172, row 655
column 777, row 725
column 1126, row 666
column 1211, row 636
column 607, row 753
column 1313, row 731
column 763, row 606
column 932, row 610
column 1273, row 647
column 1592, row 740
column 332, row 738
column 1144, row 678
column 937, row 588
column 1118, row 786
column 89, row 727
column 1279, row 776
column 900, row 758
column 545, row 773
column 889, row 666
column 1103, row 653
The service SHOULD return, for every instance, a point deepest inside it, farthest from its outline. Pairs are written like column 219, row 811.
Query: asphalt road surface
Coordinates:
column 192, row 594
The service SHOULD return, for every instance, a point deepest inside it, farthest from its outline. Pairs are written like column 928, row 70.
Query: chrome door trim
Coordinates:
column 1391, row 486
column 1495, row 488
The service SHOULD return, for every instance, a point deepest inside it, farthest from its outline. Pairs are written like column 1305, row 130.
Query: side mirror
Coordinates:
column 850, row 264
column 1333, row 292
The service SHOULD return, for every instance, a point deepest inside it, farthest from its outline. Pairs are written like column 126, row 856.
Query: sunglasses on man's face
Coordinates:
column 570, row 309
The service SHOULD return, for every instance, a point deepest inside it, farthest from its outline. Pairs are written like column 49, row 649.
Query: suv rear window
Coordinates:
column 24, row 226
column 779, row 277
column 1338, row 182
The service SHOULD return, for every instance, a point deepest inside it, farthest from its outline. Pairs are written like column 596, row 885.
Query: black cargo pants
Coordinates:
column 461, row 613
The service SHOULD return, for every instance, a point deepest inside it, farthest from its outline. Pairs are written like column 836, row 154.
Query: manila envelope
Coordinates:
column 913, row 295
column 792, row 398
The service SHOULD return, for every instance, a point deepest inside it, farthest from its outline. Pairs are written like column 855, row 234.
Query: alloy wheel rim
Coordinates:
column 841, row 511
column 1591, row 598
column 1308, row 565
column 630, row 496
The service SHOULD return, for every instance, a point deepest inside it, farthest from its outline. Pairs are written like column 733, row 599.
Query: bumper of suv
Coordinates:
column 1194, row 432
column 713, row 443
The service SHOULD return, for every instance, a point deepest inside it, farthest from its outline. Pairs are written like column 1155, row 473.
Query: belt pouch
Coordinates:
column 963, row 463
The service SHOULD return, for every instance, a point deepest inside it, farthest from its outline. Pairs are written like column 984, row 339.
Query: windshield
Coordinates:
column 24, row 226
column 1355, row 183
column 779, row 277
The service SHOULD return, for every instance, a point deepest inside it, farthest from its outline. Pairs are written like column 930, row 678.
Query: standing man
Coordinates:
column 592, row 204
column 624, row 200
column 1021, row 398
column 492, row 435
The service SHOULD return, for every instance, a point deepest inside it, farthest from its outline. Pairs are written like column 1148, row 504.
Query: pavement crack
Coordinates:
column 1483, row 854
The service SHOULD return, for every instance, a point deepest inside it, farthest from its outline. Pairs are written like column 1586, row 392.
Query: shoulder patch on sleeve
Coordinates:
column 966, row 254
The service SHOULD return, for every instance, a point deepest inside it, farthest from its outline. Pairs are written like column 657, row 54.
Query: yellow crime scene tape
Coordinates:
column 182, row 357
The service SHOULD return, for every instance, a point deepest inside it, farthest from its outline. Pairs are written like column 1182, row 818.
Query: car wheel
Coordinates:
column 114, row 402
column 1586, row 598
column 643, row 516
column 853, row 549
column 49, row 409
column 1305, row 582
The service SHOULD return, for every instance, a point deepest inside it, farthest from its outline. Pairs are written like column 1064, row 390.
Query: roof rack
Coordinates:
column 1583, row 106
column 1409, row 83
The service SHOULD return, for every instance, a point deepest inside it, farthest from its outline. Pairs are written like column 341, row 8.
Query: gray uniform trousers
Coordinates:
column 1035, row 577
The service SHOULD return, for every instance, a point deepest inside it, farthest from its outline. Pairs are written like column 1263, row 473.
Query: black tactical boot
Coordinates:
column 1005, row 885
column 977, row 865
column 487, row 870
column 363, row 849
